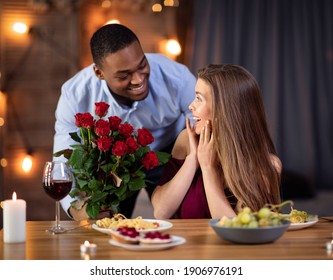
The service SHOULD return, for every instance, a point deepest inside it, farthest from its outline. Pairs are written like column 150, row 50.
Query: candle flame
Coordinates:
column 14, row 196
column 86, row 243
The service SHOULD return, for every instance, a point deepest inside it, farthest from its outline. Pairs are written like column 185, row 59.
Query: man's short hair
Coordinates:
column 109, row 39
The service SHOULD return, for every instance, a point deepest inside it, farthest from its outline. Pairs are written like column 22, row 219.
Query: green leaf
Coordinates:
column 121, row 190
column 75, row 136
column 136, row 184
column 79, row 147
column 78, row 158
column 107, row 168
column 92, row 209
column 108, row 187
column 141, row 151
column 126, row 178
column 82, row 184
column 66, row 153
column 95, row 184
column 97, row 196
column 163, row 157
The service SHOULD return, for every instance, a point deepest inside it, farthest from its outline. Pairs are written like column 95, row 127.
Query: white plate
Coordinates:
column 176, row 240
column 164, row 225
column 297, row 226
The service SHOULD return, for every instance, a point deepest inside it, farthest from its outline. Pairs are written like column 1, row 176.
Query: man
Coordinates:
column 146, row 90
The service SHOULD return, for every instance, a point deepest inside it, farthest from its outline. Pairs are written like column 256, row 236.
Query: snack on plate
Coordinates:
column 126, row 235
column 297, row 216
column 119, row 220
column 154, row 238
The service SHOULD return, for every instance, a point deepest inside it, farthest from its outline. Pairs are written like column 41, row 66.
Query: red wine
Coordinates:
column 58, row 189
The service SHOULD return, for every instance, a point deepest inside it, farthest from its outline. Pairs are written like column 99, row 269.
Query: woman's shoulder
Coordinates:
column 181, row 148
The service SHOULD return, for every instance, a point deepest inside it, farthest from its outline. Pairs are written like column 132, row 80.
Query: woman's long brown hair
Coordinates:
column 243, row 142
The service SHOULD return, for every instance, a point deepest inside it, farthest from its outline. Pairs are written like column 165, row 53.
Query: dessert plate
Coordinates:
column 297, row 226
column 163, row 225
column 176, row 240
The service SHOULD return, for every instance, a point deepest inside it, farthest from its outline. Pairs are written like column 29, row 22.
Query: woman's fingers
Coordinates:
column 206, row 133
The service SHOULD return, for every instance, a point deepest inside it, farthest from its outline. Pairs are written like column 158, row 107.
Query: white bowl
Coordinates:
column 257, row 235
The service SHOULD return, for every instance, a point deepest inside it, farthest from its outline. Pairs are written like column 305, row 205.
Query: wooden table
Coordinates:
column 201, row 244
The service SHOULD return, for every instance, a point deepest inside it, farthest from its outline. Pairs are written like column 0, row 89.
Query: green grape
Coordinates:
column 275, row 222
column 264, row 213
column 264, row 222
column 253, row 224
column 245, row 218
column 247, row 210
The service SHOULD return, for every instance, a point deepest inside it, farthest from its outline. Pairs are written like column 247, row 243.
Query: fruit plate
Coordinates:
column 176, row 241
column 257, row 235
column 163, row 225
column 296, row 226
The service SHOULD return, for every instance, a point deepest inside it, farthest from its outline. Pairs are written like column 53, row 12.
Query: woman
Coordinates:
column 227, row 160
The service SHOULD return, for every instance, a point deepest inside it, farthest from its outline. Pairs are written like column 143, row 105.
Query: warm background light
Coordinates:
column 156, row 8
column 168, row 3
column 27, row 164
column 20, row 27
column 3, row 162
column 106, row 4
column 173, row 47
column 113, row 21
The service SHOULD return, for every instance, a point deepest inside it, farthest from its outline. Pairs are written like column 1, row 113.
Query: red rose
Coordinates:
column 145, row 137
column 150, row 160
column 119, row 148
column 104, row 143
column 101, row 109
column 87, row 120
column 102, row 128
column 131, row 144
column 78, row 119
column 114, row 122
column 126, row 130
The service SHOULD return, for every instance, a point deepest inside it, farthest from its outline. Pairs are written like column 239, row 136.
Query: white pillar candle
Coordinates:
column 14, row 219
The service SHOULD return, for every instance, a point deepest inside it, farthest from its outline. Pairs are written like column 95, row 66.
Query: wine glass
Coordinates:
column 57, row 183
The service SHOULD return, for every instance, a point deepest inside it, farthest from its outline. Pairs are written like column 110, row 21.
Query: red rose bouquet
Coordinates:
column 109, row 161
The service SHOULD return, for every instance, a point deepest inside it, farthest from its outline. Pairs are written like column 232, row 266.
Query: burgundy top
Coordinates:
column 194, row 204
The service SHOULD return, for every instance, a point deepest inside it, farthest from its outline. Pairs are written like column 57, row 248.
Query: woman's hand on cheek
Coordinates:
column 192, row 137
column 206, row 151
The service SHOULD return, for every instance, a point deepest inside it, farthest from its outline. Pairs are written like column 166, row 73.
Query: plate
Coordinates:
column 164, row 225
column 297, row 226
column 176, row 240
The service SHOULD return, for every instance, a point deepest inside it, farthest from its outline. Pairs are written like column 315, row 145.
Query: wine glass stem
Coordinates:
column 57, row 217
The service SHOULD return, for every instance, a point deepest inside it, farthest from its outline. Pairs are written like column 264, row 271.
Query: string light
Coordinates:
column 113, row 21
column 106, row 4
column 20, row 27
column 157, row 8
column 168, row 3
column 3, row 162
column 27, row 163
column 173, row 47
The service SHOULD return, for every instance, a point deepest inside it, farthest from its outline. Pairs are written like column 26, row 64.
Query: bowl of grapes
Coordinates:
column 248, row 227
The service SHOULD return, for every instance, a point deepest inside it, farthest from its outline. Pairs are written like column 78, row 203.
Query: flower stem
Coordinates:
column 82, row 135
column 89, row 136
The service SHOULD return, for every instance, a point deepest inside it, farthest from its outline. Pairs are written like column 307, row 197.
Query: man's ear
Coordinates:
column 98, row 73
